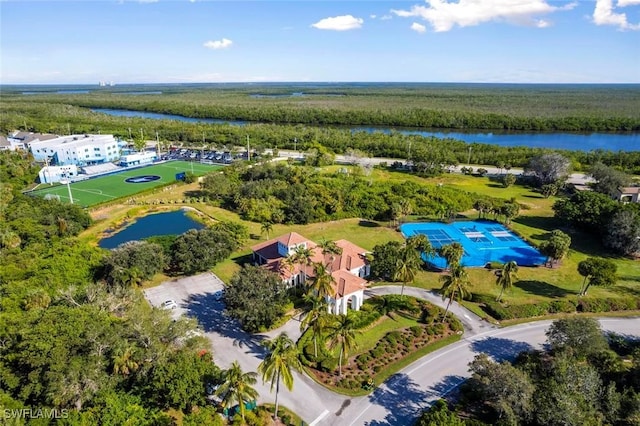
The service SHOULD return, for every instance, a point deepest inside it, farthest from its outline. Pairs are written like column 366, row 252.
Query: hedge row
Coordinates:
column 584, row 304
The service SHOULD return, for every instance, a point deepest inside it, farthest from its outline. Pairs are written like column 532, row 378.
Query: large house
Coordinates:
column 348, row 269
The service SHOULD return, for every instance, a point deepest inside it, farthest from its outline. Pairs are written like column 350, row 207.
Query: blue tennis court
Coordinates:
column 483, row 242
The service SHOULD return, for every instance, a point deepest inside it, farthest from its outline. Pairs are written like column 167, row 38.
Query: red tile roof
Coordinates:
column 346, row 283
column 352, row 257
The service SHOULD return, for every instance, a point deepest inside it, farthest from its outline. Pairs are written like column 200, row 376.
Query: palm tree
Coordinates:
column 421, row 243
column 407, row 266
column 302, row 256
column 282, row 356
column 405, row 208
column 123, row 362
column 452, row 253
column 266, row 228
column 506, row 276
column 237, row 387
column 323, row 281
column 330, row 248
column 455, row 286
column 315, row 318
column 342, row 333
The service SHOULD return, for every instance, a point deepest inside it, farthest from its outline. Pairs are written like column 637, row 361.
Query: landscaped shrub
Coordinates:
column 607, row 305
column 367, row 315
column 596, row 305
column 416, row 330
column 562, row 306
column 455, row 324
column 329, row 364
column 377, row 352
column 392, row 337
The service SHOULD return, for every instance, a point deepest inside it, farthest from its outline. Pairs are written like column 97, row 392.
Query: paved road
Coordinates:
column 399, row 400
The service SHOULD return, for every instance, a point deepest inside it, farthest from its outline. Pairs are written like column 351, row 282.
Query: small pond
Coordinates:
column 170, row 223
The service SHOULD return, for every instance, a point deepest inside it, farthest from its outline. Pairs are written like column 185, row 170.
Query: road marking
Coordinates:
column 467, row 316
column 360, row 415
column 320, row 417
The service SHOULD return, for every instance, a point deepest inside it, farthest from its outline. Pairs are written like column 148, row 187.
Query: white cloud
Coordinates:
column 443, row 15
column 373, row 16
column 603, row 14
column 218, row 44
column 419, row 28
column 623, row 3
column 386, row 17
column 339, row 23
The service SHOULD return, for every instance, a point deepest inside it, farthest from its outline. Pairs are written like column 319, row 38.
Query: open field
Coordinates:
column 110, row 187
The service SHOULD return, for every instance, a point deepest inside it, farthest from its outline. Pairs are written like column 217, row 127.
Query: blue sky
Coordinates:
column 167, row 41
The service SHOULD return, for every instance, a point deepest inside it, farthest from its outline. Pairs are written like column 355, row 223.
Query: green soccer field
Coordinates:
column 106, row 188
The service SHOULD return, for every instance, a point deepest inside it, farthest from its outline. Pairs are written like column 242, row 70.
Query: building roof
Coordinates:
column 630, row 190
column 269, row 248
column 346, row 283
column 4, row 141
column 352, row 257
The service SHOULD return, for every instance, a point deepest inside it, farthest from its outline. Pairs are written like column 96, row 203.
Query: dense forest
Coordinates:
column 506, row 107
column 293, row 194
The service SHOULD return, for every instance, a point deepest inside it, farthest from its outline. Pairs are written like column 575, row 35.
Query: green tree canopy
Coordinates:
column 256, row 297
column 579, row 335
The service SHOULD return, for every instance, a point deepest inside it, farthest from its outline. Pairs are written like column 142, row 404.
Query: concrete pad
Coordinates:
column 194, row 295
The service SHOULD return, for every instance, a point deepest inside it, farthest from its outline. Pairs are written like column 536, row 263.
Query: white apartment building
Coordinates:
column 80, row 150
column 52, row 174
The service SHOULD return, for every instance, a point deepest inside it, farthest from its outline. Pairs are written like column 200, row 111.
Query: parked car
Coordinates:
column 169, row 304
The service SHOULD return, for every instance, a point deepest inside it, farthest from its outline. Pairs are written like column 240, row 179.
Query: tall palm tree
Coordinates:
column 330, row 248
column 315, row 319
column 237, row 387
column 266, row 228
column 452, row 253
column 506, row 276
column 407, row 266
column 323, row 281
column 455, row 286
column 342, row 334
column 281, row 358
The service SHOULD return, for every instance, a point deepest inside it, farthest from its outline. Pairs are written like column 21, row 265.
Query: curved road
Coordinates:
column 400, row 400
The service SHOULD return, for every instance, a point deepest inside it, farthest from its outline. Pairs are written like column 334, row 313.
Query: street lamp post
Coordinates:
column 469, row 158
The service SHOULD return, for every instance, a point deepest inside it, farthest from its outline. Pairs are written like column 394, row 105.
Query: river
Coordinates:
column 568, row 141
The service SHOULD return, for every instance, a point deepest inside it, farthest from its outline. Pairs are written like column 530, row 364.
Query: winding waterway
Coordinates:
column 569, row 141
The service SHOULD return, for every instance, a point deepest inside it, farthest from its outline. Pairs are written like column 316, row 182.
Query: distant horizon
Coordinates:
column 243, row 83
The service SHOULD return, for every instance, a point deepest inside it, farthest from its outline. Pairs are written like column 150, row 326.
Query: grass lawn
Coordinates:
column 367, row 339
column 110, row 187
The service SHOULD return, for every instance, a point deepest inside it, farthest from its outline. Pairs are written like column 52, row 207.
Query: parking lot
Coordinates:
column 195, row 296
